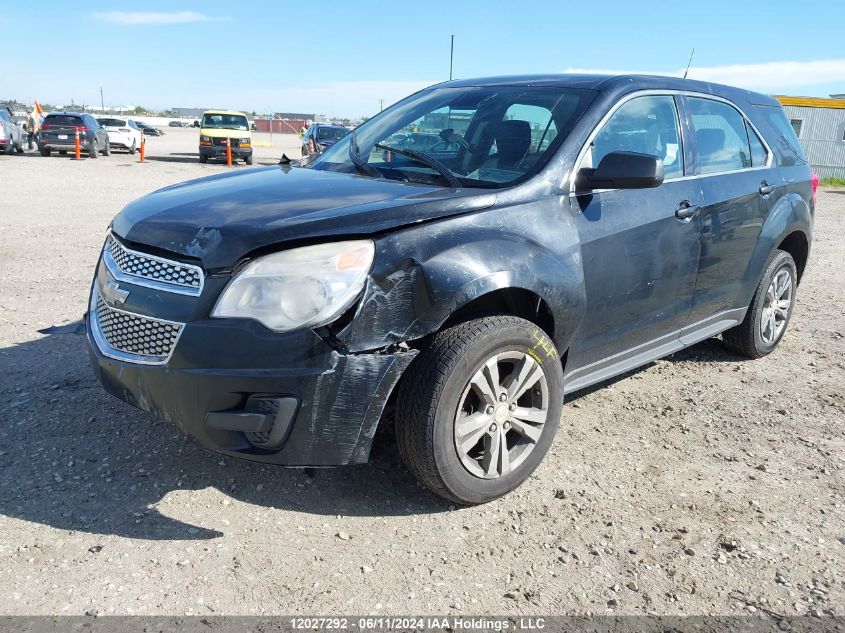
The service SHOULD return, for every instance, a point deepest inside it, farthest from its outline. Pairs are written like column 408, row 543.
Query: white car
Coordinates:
column 123, row 133
column 11, row 136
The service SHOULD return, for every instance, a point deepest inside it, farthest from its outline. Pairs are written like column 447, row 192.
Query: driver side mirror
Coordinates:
column 622, row 170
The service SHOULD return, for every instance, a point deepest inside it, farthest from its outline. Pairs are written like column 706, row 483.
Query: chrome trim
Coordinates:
column 102, row 344
column 668, row 92
column 147, row 282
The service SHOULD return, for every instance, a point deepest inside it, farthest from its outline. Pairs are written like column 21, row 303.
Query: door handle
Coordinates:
column 685, row 210
column 766, row 188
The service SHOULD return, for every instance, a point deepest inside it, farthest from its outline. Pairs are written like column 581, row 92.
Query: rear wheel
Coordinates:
column 45, row 152
column 107, row 148
column 92, row 153
column 770, row 310
column 479, row 408
column 132, row 148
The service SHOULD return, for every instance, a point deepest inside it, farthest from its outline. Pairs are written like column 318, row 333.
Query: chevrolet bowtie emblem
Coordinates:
column 113, row 293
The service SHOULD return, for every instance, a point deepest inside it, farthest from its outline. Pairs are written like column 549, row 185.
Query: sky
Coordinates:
column 341, row 58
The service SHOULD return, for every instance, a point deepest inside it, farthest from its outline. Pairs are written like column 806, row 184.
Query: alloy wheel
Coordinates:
column 502, row 413
column 776, row 306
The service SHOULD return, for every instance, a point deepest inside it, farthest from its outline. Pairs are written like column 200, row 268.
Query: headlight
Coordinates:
column 302, row 287
column 205, row 139
column 245, row 141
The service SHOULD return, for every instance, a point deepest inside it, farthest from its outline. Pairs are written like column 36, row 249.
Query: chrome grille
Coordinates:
column 133, row 337
column 162, row 272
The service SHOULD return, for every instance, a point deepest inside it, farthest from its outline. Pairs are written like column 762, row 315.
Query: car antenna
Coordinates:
column 692, row 52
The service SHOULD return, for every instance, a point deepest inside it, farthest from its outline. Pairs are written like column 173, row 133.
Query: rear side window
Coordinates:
column 648, row 125
column 759, row 154
column 112, row 122
column 720, row 136
column 786, row 139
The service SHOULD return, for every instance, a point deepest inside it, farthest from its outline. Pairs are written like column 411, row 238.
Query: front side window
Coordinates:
column 796, row 125
column 720, row 136
column 647, row 125
column 472, row 136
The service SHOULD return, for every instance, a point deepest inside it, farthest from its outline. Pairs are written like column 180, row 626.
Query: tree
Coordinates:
column 140, row 110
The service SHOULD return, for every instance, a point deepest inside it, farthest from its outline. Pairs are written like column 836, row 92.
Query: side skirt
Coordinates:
column 647, row 352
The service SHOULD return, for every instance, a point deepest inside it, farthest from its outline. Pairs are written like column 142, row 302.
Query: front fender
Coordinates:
column 424, row 274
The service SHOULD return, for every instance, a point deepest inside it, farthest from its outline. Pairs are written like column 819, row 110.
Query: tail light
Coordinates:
column 815, row 181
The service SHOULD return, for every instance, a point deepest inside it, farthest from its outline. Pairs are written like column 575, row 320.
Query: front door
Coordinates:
column 640, row 247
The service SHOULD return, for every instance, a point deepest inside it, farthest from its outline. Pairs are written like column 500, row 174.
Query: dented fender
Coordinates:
column 443, row 267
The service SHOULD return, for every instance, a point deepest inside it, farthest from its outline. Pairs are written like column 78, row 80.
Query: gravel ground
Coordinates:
column 701, row 484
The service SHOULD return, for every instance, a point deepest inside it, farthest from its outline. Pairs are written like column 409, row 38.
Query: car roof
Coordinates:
column 615, row 83
column 67, row 113
column 223, row 112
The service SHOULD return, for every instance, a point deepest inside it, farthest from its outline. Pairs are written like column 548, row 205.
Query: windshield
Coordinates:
column 112, row 122
column 331, row 133
column 492, row 136
column 225, row 121
column 58, row 120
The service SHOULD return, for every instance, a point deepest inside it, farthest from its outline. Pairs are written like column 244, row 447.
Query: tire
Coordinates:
column 754, row 338
column 92, row 153
column 132, row 149
column 203, row 158
column 44, row 152
column 248, row 159
column 107, row 149
column 434, row 395
column 19, row 147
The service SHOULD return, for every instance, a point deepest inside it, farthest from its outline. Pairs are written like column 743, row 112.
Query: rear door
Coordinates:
column 738, row 179
column 639, row 258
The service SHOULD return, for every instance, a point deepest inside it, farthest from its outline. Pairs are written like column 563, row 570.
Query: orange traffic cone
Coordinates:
column 229, row 152
column 77, row 143
column 142, row 147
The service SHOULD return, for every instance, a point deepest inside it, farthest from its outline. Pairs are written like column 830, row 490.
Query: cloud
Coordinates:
column 771, row 76
column 151, row 17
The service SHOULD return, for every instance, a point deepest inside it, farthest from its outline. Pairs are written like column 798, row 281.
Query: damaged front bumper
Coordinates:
column 242, row 391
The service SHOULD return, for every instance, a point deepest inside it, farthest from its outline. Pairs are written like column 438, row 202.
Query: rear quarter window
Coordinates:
column 782, row 137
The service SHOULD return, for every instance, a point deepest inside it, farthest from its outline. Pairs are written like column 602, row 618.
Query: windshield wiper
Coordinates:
column 355, row 156
column 426, row 160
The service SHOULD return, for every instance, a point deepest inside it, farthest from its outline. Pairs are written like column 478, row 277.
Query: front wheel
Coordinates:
column 770, row 309
column 477, row 410
column 248, row 159
column 203, row 158
column 132, row 148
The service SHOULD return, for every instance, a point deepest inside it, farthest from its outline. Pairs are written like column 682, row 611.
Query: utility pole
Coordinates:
column 380, row 105
column 102, row 103
column 451, row 56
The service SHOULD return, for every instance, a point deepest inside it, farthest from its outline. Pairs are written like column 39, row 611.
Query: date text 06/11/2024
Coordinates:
column 417, row 623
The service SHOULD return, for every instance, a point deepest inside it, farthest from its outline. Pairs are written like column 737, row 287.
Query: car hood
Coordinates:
column 220, row 219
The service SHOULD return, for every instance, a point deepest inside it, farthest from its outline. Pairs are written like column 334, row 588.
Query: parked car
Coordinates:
column 221, row 127
column 123, row 133
column 321, row 136
column 179, row 124
column 148, row 129
column 583, row 227
column 11, row 134
column 58, row 132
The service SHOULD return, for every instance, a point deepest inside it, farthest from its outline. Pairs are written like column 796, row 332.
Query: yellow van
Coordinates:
column 219, row 127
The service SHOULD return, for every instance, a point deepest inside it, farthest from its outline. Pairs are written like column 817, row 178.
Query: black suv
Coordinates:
column 59, row 129
column 568, row 229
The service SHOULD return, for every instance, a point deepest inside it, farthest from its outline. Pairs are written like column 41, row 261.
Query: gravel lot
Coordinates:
column 701, row 484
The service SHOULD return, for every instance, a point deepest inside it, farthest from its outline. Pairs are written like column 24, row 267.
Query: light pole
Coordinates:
column 451, row 56
column 102, row 103
column 380, row 105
